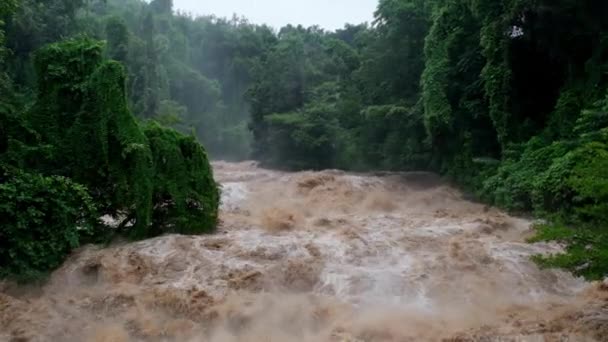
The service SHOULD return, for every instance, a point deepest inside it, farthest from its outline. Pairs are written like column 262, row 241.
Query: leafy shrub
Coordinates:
column 589, row 181
column 586, row 251
column 42, row 219
column 516, row 180
column 567, row 181
column 568, row 177
column 185, row 195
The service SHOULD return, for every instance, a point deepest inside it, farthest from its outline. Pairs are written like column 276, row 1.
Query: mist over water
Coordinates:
column 318, row 256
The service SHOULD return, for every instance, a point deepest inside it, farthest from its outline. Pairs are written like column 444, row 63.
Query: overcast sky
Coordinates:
column 329, row 14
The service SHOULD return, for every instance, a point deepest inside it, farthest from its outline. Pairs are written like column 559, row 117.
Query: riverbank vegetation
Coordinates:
column 507, row 98
column 73, row 152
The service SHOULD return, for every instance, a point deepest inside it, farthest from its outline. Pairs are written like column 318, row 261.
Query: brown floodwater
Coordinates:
column 318, row 256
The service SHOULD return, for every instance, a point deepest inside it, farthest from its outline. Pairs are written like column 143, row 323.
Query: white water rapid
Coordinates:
column 318, row 257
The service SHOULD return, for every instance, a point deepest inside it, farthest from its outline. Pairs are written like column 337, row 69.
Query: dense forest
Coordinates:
column 509, row 99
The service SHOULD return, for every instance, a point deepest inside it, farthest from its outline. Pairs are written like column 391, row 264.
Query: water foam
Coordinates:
column 313, row 256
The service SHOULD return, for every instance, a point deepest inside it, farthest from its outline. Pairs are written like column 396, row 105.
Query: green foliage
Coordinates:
column 171, row 113
column 392, row 137
column 322, row 102
column 586, row 252
column 202, row 64
column 392, row 57
column 566, row 176
column 567, row 181
column 82, row 99
column 155, row 181
column 301, row 140
column 517, row 180
column 491, row 94
column 435, row 78
column 6, row 8
column 63, row 69
column 118, row 39
column 560, row 177
column 42, row 220
column 20, row 146
column 186, row 196
column 589, row 182
column 80, row 131
column 34, row 24
column 291, row 75
column 121, row 152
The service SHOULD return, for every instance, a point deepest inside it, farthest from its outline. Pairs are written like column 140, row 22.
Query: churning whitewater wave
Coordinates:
column 318, row 256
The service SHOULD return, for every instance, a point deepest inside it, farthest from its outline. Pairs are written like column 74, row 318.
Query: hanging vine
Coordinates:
column 82, row 112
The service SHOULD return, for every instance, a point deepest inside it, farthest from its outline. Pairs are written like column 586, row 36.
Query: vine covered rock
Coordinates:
column 82, row 112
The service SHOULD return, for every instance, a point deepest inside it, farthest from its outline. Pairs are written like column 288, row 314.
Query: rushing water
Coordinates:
column 318, row 256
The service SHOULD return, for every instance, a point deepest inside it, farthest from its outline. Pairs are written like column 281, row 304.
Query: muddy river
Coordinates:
column 315, row 257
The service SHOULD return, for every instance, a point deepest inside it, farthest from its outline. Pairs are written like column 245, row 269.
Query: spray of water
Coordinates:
column 318, row 256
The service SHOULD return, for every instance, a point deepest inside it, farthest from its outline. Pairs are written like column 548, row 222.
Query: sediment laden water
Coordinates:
column 318, row 256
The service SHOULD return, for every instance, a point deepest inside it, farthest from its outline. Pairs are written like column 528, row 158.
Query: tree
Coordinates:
column 82, row 98
column 118, row 39
column 162, row 6
column 6, row 8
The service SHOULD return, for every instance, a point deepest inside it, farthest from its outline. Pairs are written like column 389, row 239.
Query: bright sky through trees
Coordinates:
column 329, row 14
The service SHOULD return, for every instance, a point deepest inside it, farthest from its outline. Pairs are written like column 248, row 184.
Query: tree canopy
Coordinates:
column 78, row 153
column 505, row 97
